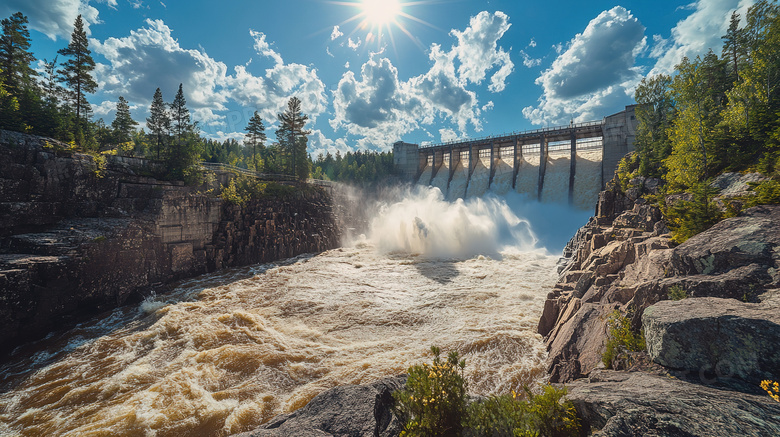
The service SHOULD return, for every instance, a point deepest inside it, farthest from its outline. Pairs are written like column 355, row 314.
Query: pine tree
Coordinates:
column 77, row 73
column 184, row 151
column 732, row 44
column 15, row 57
column 292, row 137
column 255, row 135
column 52, row 90
column 9, row 107
column 159, row 121
column 180, row 116
column 123, row 124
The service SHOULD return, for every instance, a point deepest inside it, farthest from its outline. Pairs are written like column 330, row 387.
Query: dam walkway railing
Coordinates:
column 273, row 177
column 511, row 149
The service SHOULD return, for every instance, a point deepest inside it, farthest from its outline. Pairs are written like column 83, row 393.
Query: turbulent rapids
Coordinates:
column 225, row 352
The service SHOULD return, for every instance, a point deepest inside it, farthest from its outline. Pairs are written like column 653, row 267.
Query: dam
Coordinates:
column 561, row 164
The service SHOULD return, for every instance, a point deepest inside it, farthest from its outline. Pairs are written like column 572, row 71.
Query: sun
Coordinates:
column 377, row 19
column 381, row 12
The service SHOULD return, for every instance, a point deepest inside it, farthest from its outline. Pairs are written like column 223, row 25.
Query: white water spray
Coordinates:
column 424, row 223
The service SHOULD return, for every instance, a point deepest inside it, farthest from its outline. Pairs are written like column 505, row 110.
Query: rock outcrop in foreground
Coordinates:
column 77, row 238
column 639, row 404
column 721, row 336
column 349, row 410
column 706, row 354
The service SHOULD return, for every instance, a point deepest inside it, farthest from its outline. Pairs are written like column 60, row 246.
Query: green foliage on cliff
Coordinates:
column 434, row 400
column 620, row 339
column 544, row 414
column 712, row 115
column 434, row 403
column 676, row 292
column 242, row 190
column 687, row 218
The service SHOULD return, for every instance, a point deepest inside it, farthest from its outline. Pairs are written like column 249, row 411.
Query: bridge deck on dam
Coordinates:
column 544, row 163
column 589, row 129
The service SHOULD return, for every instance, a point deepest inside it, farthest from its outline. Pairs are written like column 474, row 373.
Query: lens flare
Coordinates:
column 381, row 12
column 377, row 19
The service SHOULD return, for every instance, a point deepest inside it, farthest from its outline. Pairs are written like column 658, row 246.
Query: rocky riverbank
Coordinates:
column 706, row 354
column 78, row 236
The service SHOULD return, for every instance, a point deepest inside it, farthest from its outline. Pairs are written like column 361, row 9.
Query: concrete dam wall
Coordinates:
column 559, row 164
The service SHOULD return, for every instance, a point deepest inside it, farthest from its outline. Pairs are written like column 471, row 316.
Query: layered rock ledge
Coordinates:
column 624, row 259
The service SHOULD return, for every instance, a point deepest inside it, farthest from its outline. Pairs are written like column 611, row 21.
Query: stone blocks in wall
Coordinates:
column 182, row 257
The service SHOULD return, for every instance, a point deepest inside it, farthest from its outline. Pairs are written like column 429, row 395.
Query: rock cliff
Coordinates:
column 78, row 237
column 619, row 404
column 706, row 353
column 624, row 259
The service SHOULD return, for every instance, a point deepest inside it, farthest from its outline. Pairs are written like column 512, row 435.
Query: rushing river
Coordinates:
column 225, row 352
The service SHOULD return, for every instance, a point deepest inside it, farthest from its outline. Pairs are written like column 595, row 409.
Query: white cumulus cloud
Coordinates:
column 528, row 61
column 336, row 33
column 697, row 33
column 380, row 107
column 596, row 74
column 54, row 18
column 478, row 50
column 354, row 45
column 150, row 57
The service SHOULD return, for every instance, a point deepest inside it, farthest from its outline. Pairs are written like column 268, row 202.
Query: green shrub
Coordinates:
column 769, row 163
column 498, row 416
column 433, row 403
column 627, row 170
column 620, row 339
column 688, row 218
column 677, row 293
column 99, row 164
column 540, row 415
column 767, row 193
column 232, row 194
column 241, row 190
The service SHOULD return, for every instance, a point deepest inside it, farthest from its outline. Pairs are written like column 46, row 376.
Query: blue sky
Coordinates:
column 441, row 69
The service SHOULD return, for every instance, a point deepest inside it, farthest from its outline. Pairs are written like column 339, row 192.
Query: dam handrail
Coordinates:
column 259, row 175
column 513, row 134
